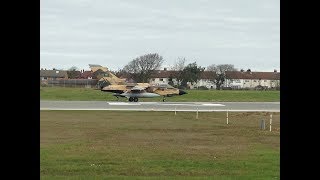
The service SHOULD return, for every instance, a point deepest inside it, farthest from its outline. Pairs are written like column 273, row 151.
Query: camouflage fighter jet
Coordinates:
column 133, row 91
column 143, row 90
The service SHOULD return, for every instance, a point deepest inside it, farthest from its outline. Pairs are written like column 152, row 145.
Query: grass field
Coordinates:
column 157, row 145
column 87, row 94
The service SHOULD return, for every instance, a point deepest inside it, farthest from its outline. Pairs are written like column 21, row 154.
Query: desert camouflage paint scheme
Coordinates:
column 133, row 91
column 143, row 91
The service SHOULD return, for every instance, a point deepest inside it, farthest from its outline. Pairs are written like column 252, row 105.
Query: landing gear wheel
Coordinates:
column 131, row 99
column 164, row 99
column 135, row 99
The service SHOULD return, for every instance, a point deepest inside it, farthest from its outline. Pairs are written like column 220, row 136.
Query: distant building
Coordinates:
column 53, row 74
column 234, row 79
column 86, row 75
column 165, row 76
column 248, row 79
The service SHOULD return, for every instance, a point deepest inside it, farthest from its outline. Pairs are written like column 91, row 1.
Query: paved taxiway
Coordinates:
column 160, row 106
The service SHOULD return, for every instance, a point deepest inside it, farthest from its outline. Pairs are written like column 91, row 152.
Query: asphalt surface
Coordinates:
column 160, row 106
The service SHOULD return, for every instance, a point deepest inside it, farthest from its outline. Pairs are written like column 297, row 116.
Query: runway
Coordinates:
column 161, row 106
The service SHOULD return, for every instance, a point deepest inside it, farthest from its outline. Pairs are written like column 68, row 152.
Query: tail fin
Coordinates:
column 108, row 76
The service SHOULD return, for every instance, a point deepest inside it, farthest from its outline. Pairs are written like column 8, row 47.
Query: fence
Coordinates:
column 87, row 83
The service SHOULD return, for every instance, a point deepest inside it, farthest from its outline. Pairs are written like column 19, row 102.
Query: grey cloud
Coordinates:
column 75, row 54
column 101, row 31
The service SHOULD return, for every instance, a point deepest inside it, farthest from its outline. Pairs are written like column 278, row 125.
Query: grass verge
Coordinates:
column 157, row 145
column 88, row 94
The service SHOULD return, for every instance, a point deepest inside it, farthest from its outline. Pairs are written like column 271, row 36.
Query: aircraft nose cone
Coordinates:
column 181, row 92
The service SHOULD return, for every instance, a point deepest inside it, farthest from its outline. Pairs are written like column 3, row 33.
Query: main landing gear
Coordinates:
column 135, row 99
column 164, row 99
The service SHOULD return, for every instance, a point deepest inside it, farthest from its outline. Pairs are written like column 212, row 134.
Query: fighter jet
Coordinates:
column 143, row 90
column 133, row 91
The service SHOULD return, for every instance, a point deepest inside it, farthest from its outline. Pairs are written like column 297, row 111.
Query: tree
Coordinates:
column 73, row 72
column 218, row 73
column 170, row 80
column 141, row 68
column 73, row 68
column 178, row 67
column 191, row 73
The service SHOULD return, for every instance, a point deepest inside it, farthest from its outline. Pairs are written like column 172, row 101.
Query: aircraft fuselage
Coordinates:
column 140, row 95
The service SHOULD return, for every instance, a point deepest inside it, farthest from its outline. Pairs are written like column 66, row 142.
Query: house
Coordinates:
column 85, row 74
column 53, row 74
column 206, row 78
column 247, row 79
column 165, row 76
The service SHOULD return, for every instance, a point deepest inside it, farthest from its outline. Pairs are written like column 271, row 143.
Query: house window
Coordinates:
column 254, row 81
column 161, row 79
column 246, row 81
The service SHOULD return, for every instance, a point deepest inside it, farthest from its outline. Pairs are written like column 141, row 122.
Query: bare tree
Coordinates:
column 142, row 67
column 178, row 67
column 219, row 76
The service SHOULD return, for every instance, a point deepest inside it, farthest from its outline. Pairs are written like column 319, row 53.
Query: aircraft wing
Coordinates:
column 138, row 89
column 141, row 86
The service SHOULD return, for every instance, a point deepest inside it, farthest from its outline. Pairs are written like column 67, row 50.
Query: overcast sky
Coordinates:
column 111, row 33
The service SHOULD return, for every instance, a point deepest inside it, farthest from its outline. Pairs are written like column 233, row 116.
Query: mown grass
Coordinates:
column 87, row 94
column 157, row 145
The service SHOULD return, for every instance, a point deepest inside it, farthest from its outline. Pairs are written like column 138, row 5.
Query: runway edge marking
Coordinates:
column 181, row 110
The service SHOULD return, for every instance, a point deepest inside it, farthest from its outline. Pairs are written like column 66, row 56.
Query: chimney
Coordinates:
column 241, row 70
column 41, row 68
column 274, row 70
column 249, row 70
column 165, row 69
